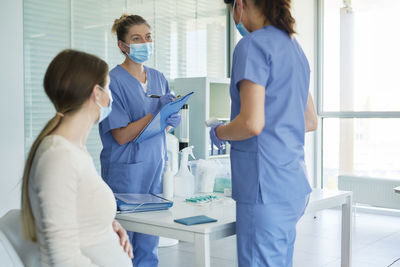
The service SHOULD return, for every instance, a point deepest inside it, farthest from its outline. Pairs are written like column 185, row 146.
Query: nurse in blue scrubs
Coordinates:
column 128, row 167
column 271, row 111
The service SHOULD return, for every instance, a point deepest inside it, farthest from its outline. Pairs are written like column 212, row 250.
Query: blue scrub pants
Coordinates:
column 145, row 249
column 266, row 232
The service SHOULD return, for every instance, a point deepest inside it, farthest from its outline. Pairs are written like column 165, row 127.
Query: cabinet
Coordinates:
column 211, row 99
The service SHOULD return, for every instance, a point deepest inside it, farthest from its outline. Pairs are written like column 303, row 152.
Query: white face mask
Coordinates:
column 105, row 111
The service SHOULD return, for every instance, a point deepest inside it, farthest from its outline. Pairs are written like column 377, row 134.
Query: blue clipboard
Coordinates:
column 129, row 202
column 158, row 123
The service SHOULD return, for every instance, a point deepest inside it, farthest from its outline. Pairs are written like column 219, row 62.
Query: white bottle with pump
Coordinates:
column 184, row 179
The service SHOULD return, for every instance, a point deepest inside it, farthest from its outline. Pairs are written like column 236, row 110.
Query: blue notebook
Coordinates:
column 158, row 123
column 195, row 220
column 127, row 202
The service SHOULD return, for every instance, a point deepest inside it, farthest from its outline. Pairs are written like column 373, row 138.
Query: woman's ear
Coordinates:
column 123, row 47
column 96, row 94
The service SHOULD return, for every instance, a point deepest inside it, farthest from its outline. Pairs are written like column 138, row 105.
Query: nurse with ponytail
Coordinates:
column 271, row 112
column 129, row 167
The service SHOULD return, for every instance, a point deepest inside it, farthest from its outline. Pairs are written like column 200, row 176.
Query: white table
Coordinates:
column 162, row 223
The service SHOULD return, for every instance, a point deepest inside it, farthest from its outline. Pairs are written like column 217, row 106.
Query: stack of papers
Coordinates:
column 141, row 202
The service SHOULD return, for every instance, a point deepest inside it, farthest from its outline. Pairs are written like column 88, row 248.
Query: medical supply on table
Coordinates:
column 158, row 123
column 195, row 220
column 127, row 202
column 228, row 192
column 201, row 199
column 211, row 175
column 221, row 184
column 184, row 179
column 204, row 172
column 173, row 152
column 184, row 128
column 168, row 183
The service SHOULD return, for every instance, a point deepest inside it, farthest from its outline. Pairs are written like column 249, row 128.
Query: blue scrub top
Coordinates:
column 270, row 167
column 133, row 168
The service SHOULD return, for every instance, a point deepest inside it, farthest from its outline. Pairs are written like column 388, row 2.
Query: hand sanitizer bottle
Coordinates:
column 184, row 179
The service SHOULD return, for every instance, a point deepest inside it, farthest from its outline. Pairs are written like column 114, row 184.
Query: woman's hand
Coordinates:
column 165, row 99
column 123, row 238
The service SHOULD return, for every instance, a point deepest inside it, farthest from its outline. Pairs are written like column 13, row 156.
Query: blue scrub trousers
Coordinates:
column 145, row 249
column 266, row 232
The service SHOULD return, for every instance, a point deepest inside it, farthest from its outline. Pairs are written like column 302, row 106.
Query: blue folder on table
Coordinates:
column 195, row 220
column 158, row 123
column 127, row 202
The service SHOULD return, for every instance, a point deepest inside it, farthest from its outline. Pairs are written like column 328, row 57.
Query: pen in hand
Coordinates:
column 154, row 96
column 157, row 96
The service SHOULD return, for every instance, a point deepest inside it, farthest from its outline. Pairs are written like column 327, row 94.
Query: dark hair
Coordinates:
column 121, row 26
column 68, row 83
column 276, row 12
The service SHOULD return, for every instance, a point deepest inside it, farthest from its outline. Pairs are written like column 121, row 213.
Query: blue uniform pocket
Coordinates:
column 245, row 176
column 138, row 177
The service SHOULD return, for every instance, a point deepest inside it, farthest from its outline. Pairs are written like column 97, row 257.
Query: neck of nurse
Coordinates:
column 76, row 127
column 134, row 68
column 257, row 22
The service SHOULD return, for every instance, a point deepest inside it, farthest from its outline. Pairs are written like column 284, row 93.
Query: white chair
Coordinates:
column 8, row 256
column 14, row 250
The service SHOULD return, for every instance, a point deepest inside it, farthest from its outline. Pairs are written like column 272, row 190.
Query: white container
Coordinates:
column 168, row 184
column 173, row 152
column 184, row 179
column 205, row 172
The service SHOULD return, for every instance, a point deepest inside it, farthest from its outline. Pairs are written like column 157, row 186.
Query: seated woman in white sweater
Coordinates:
column 66, row 206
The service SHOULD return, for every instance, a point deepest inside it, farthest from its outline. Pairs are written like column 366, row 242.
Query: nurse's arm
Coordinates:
column 127, row 134
column 311, row 115
column 251, row 119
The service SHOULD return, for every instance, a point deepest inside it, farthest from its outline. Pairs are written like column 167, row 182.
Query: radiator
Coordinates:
column 372, row 191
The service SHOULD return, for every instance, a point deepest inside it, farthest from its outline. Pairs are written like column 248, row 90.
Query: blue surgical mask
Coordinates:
column 240, row 27
column 140, row 52
column 105, row 111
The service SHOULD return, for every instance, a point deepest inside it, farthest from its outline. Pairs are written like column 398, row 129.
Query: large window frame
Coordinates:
column 322, row 114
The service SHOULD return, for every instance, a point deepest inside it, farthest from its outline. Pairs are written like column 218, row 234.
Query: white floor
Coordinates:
column 376, row 243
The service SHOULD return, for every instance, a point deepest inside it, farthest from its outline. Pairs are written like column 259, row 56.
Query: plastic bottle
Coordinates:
column 168, row 183
column 184, row 179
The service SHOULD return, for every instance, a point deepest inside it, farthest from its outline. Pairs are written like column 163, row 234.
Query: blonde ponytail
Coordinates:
column 28, row 221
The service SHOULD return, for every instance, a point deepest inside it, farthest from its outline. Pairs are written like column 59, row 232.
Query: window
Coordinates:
column 360, row 92
column 190, row 39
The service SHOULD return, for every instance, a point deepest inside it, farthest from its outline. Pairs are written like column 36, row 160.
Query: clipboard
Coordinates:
column 129, row 202
column 158, row 123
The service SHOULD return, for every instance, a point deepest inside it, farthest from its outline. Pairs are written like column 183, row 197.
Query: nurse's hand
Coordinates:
column 174, row 120
column 214, row 138
column 123, row 238
column 165, row 99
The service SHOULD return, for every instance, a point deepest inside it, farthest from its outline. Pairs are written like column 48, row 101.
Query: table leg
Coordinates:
column 347, row 219
column 202, row 250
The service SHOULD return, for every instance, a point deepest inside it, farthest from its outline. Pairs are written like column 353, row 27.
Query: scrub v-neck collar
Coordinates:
column 137, row 81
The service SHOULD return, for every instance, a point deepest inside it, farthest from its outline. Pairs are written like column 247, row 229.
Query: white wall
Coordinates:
column 304, row 11
column 12, row 104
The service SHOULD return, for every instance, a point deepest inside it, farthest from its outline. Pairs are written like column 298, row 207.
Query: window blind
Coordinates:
column 190, row 40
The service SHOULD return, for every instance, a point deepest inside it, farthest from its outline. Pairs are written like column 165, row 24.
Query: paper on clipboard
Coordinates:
column 158, row 123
